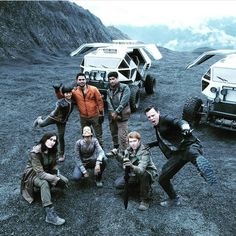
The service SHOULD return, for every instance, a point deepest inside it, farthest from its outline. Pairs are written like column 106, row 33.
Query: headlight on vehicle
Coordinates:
column 213, row 89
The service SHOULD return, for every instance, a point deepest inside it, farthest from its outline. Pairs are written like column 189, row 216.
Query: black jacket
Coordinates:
column 62, row 111
column 170, row 137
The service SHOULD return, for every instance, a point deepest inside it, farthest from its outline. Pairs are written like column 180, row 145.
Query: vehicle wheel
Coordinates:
column 134, row 98
column 192, row 109
column 150, row 84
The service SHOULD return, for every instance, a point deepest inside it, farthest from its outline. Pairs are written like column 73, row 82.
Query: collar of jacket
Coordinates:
column 131, row 150
column 36, row 149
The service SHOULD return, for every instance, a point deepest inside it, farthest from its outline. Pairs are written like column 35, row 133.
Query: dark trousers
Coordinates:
column 61, row 131
column 175, row 162
column 143, row 182
column 77, row 174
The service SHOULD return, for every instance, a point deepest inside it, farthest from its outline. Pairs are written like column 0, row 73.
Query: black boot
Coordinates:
column 52, row 217
column 206, row 170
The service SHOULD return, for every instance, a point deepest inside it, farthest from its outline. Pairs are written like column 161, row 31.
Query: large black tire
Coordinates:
column 150, row 84
column 192, row 109
column 206, row 170
column 134, row 98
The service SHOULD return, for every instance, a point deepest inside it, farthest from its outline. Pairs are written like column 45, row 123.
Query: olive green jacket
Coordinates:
column 141, row 161
column 40, row 165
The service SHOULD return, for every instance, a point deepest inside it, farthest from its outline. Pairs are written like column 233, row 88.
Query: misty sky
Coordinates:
column 174, row 13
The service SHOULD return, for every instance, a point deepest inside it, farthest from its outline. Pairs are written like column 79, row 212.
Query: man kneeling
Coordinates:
column 142, row 169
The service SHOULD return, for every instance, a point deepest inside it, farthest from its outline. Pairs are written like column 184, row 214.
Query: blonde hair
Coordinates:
column 134, row 134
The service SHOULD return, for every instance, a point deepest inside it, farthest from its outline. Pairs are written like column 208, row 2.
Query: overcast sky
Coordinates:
column 174, row 13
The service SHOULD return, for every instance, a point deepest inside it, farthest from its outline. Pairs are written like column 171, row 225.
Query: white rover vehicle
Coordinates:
column 127, row 57
column 219, row 87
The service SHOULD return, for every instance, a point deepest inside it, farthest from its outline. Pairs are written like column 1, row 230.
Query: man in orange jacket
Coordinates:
column 89, row 102
column 90, row 105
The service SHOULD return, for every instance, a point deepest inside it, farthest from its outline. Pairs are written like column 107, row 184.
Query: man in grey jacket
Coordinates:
column 118, row 96
column 89, row 155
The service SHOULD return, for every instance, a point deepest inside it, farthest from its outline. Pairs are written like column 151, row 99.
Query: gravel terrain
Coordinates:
column 26, row 92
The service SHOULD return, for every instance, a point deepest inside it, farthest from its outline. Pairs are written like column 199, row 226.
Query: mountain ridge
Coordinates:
column 34, row 30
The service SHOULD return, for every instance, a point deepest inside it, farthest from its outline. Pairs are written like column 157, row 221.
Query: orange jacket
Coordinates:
column 89, row 105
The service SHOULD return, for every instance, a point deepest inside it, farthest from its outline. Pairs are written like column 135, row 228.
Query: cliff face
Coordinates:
column 32, row 29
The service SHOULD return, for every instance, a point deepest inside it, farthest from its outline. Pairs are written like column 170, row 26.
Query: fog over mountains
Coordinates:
column 31, row 29
column 217, row 33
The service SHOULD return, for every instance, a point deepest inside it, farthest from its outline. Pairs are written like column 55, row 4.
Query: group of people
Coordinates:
column 173, row 136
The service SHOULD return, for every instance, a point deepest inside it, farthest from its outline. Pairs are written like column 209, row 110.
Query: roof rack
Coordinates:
column 125, row 41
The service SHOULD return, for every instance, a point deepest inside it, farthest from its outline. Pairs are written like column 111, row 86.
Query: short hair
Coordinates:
column 134, row 134
column 66, row 89
column 151, row 107
column 80, row 74
column 112, row 74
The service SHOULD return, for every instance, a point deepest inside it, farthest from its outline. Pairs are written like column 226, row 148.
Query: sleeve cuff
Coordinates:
column 98, row 162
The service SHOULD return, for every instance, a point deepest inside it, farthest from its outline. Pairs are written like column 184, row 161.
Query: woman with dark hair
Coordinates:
column 41, row 172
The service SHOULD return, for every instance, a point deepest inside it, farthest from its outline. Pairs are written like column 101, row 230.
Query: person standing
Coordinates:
column 41, row 172
column 59, row 116
column 89, row 155
column 137, row 157
column 118, row 96
column 89, row 102
column 177, row 142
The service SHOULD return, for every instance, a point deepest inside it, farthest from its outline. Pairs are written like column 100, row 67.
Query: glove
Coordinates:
column 101, row 119
column 187, row 132
column 185, row 129
column 114, row 151
column 57, row 87
column 61, row 184
column 126, row 163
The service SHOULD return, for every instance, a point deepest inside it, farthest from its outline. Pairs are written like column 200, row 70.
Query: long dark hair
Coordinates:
column 43, row 140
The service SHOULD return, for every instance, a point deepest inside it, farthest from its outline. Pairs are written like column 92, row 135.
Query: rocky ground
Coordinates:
column 26, row 92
